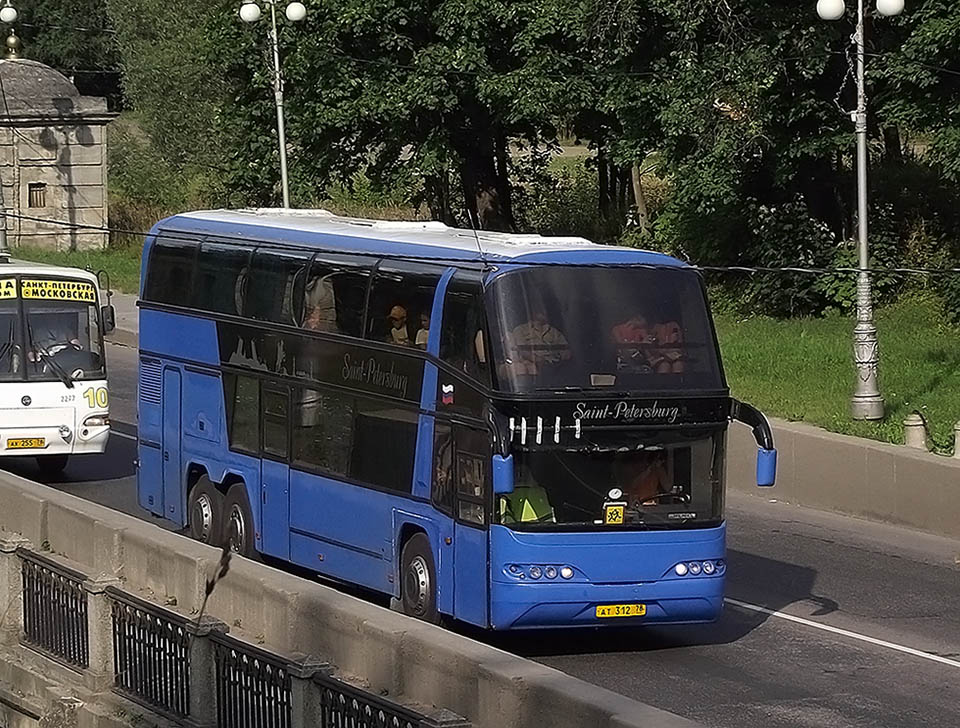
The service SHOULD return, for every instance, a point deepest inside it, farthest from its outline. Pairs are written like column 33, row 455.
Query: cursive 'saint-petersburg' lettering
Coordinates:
column 626, row 411
column 371, row 372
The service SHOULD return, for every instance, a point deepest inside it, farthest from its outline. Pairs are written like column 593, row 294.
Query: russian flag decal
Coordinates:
column 447, row 391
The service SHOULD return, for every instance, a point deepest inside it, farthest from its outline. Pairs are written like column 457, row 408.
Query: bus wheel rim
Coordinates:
column 238, row 529
column 418, row 584
column 203, row 515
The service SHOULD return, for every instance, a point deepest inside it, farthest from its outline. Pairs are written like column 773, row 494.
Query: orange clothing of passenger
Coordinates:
column 645, row 482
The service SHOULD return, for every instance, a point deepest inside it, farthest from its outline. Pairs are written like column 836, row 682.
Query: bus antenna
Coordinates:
column 476, row 237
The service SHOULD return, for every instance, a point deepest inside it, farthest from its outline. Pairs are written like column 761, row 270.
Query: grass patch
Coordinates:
column 122, row 264
column 802, row 369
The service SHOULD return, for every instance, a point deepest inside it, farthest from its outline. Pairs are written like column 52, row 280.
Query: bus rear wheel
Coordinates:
column 52, row 465
column 418, row 580
column 238, row 522
column 205, row 512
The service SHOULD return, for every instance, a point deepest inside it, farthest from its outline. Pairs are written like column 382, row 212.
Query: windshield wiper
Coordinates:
column 45, row 355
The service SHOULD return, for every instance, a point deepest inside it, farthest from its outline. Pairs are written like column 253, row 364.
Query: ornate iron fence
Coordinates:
column 151, row 654
column 55, row 609
column 345, row 706
column 253, row 686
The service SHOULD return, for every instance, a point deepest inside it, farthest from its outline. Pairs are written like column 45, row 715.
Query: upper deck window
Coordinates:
column 619, row 329
column 401, row 304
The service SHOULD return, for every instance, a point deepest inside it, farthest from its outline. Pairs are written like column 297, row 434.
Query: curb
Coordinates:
column 123, row 337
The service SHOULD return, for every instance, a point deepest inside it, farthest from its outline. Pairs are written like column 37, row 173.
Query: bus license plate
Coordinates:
column 25, row 443
column 622, row 610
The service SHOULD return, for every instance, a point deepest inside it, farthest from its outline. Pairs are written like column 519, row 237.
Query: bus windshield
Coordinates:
column 50, row 340
column 578, row 328
column 667, row 480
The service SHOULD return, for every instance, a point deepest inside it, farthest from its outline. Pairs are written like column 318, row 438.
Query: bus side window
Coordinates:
column 323, row 429
column 242, row 396
column 462, row 341
column 442, row 485
column 170, row 271
column 333, row 295
column 220, row 270
column 274, row 275
column 473, row 473
column 401, row 305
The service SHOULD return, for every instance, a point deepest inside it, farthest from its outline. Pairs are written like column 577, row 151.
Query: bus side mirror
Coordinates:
column 109, row 316
column 502, row 474
column 766, row 454
column 766, row 467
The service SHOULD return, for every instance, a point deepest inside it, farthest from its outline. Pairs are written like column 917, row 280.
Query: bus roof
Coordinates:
column 320, row 228
column 24, row 268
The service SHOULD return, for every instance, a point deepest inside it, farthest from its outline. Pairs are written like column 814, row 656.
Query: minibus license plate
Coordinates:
column 622, row 610
column 25, row 443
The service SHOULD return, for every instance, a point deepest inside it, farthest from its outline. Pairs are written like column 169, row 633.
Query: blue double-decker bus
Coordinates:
column 509, row 430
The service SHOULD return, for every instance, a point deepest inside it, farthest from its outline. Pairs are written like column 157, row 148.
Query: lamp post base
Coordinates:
column 867, row 407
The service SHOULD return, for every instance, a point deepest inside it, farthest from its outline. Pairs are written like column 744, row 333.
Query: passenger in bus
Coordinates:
column 424, row 332
column 320, row 306
column 643, row 478
column 657, row 346
column 669, row 340
column 399, row 331
column 533, row 344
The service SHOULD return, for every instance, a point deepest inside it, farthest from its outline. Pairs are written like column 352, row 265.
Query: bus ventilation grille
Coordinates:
column 150, row 381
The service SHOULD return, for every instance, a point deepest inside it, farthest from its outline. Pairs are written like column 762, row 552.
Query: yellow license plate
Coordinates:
column 622, row 610
column 25, row 443
column 613, row 514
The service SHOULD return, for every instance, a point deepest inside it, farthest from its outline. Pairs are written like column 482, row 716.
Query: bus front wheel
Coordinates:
column 51, row 465
column 238, row 526
column 205, row 512
column 418, row 585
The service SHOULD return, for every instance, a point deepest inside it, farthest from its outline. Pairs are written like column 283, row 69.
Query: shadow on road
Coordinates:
column 115, row 463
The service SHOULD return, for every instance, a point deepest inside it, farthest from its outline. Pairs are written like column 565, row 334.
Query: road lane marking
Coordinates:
column 123, row 435
column 844, row 632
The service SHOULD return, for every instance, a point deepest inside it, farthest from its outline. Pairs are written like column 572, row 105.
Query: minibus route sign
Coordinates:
column 8, row 288
column 55, row 290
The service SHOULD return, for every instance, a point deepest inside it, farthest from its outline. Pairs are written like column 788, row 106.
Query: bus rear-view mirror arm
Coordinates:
column 766, row 454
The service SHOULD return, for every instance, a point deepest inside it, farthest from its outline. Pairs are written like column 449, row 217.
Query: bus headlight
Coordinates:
column 708, row 568
column 551, row 572
column 566, row 572
column 681, row 569
column 694, row 567
column 535, row 572
column 96, row 421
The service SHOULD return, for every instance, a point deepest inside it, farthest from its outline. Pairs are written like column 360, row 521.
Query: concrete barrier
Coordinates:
column 854, row 476
column 389, row 653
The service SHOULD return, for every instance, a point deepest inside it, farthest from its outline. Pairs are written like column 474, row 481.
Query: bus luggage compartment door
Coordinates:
column 172, row 467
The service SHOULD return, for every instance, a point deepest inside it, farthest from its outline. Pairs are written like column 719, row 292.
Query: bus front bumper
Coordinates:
column 556, row 604
column 52, row 439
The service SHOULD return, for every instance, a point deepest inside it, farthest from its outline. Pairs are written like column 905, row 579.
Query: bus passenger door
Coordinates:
column 275, row 471
column 172, row 470
column 471, row 531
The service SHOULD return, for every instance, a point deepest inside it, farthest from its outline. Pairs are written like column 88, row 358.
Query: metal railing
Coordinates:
column 253, row 685
column 55, row 610
column 345, row 706
column 151, row 654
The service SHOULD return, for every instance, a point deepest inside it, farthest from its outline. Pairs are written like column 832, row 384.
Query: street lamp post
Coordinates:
column 867, row 402
column 8, row 16
column 295, row 12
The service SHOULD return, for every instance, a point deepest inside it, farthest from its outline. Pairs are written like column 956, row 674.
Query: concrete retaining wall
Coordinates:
column 850, row 475
column 389, row 652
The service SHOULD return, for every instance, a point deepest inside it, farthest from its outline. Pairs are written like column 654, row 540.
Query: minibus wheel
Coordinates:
column 418, row 580
column 205, row 512
column 238, row 522
column 51, row 465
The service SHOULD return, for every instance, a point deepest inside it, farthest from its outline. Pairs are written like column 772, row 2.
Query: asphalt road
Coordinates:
column 861, row 624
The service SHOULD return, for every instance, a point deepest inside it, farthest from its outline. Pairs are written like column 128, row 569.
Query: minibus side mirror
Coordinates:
column 109, row 317
column 766, row 453
column 502, row 474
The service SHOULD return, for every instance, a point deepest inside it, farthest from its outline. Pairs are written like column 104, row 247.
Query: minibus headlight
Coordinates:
column 96, row 421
